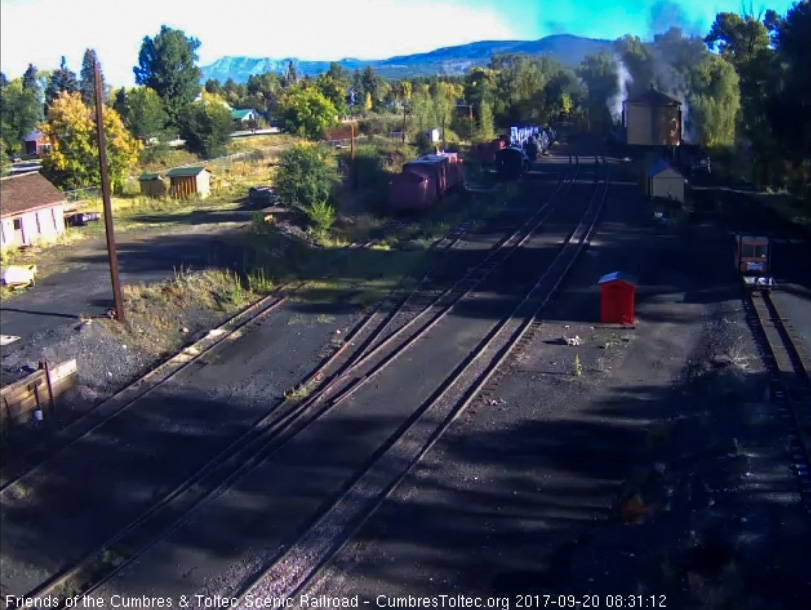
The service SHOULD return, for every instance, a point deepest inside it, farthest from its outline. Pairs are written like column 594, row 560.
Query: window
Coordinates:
column 753, row 251
column 18, row 224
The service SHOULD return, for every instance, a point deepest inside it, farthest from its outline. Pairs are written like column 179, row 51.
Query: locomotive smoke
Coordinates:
column 624, row 80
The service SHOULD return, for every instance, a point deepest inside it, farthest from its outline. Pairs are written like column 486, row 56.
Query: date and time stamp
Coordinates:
column 324, row 602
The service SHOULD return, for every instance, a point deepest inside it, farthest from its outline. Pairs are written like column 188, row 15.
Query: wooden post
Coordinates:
column 51, row 407
column 352, row 174
column 105, row 191
column 404, row 122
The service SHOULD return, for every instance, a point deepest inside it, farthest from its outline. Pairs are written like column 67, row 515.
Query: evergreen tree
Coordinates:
column 62, row 79
column 291, row 78
column 167, row 64
column 120, row 104
column 87, row 78
column 30, row 81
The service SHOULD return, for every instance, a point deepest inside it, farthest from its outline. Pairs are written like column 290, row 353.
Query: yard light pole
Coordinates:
column 105, row 193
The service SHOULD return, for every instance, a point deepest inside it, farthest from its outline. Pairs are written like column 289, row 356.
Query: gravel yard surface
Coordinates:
column 229, row 538
column 657, row 471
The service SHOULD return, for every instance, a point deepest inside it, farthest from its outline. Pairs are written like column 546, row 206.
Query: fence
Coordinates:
column 85, row 194
column 345, row 142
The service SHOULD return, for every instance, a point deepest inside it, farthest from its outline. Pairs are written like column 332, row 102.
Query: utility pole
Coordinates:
column 108, row 208
column 352, row 156
column 444, row 144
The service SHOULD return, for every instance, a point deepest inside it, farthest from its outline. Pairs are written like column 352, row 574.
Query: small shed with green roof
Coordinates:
column 187, row 181
column 152, row 184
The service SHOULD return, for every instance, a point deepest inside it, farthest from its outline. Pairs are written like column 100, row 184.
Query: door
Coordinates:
column 18, row 237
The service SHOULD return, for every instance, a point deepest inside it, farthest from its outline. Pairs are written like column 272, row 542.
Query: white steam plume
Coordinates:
column 624, row 80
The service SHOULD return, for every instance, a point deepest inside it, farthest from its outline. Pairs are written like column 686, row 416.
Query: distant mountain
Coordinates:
column 569, row 50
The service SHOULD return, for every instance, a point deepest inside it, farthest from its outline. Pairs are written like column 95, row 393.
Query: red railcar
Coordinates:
column 434, row 176
column 413, row 190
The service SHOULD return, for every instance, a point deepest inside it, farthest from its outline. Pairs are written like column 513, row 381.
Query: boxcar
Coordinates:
column 412, row 190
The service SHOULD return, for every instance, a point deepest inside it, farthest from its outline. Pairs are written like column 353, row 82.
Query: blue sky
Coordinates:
column 41, row 31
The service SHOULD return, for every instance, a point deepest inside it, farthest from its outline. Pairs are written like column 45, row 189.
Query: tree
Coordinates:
column 290, row 77
column 206, row 126
column 120, row 103
column 145, row 116
column 20, row 113
column 338, row 73
column 62, row 80
column 367, row 102
column 599, row 72
column 31, row 80
column 333, row 90
column 791, row 110
column 73, row 161
column 87, row 78
column 213, row 86
column 166, row 63
column 746, row 43
column 307, row 112
column 715, row 102
column 485, row 131
column 305, row 176
column 5, row 162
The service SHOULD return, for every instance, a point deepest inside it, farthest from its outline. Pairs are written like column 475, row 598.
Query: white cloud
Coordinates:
column 40, row 31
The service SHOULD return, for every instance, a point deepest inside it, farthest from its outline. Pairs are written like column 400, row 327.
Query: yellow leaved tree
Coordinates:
column 73, row 161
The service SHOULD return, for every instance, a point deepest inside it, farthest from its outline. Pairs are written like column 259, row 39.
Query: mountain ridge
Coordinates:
column 454, row 60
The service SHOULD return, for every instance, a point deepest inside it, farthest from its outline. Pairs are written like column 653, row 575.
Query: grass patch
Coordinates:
column 787, row 207
column 157, row 314
column 297, row 394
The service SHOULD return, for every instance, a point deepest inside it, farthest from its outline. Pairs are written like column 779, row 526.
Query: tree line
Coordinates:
column 745, row 88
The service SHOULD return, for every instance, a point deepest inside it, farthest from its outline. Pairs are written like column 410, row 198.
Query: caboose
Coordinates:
column 753, row 260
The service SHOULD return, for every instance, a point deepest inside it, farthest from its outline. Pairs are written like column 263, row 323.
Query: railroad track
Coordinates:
column 227, row 332
column 333, row 382
column 789, row 382
column 303, row 559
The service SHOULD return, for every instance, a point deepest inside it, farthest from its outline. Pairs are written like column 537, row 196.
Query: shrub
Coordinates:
column 306, row 174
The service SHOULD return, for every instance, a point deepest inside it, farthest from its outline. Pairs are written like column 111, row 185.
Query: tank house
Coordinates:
column 652, row 119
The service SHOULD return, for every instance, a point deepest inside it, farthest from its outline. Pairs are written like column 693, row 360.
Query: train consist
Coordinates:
column 426, row 180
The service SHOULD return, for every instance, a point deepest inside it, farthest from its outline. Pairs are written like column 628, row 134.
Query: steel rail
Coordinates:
column 242, row 454
column 304, row 557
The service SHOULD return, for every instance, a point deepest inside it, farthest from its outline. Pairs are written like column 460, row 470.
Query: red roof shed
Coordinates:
column 617, row 298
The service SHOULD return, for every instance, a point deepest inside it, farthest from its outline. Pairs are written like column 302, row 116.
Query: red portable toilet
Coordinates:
column 617, row 298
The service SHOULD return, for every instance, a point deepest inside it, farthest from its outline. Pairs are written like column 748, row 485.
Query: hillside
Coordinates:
column 569, row 50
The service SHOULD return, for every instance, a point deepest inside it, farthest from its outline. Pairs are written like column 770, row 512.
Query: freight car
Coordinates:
column 425, row 181
column 511, row 163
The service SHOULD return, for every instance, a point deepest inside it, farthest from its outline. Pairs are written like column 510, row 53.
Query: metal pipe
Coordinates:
column 108, row 208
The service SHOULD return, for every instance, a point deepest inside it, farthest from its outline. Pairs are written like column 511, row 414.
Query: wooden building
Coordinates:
column 664, row 182
column 32, row 210
column 652, row 119
column 36, row 144
column 188, row 181
column 152, row 184
column 245, row 119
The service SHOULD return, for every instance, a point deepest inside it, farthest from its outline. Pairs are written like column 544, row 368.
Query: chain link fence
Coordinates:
column 85, row 194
